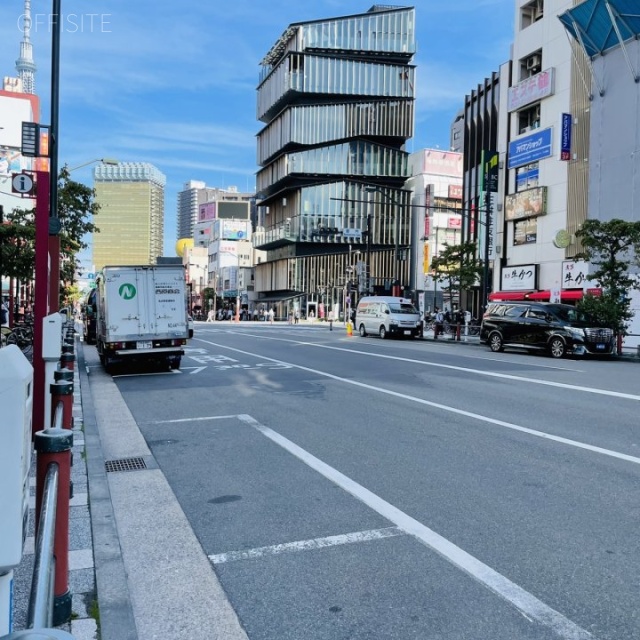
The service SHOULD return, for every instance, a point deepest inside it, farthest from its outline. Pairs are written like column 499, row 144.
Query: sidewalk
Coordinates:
column 82, row 584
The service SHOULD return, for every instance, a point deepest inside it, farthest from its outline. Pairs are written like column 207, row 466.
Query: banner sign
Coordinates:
column 565, row 136
column 526, row 204
column 520, row 278
column 455, row 191
column 574, row 274
column 532, row 89
column 530, row 148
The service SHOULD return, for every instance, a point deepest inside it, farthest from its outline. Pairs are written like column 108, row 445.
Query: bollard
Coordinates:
column 458, row 332
column 54, row 445
column 62, row 393
column 349, row 329
column 63, row 374
column 67, row 361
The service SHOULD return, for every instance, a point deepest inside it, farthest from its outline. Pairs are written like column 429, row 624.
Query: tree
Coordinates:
column 17, row 236
column 613, row 248
column 457, row 268
column 76, row 203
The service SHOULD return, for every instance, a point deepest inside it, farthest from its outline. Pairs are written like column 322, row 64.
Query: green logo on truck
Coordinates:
column 127, row 291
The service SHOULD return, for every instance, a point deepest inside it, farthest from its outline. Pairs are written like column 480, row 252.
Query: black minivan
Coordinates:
column 559, row 329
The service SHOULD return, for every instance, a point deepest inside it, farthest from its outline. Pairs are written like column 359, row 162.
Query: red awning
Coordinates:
column 569, row 294
column 502, row 296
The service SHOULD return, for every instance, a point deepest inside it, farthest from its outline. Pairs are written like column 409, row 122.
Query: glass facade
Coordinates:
column 349, row 159
column 337, row 97
column 309, row 74
column 320, row 124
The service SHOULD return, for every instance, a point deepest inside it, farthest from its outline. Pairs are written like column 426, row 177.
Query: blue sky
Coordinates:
column 174, row 83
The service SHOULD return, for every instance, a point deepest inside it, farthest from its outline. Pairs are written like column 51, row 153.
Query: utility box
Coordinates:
column 52, row 336
column 16, row 400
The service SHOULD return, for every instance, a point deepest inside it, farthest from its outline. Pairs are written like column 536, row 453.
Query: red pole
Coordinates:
column 54, row 276
column 41, row 303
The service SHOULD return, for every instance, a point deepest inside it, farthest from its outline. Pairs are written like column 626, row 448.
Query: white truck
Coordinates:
column 141, row 314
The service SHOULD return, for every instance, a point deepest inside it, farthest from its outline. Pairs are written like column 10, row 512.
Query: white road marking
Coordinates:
column 527, row 603
column 480, row 372
column 201, row 419
column 307, row 545
column 461, row 412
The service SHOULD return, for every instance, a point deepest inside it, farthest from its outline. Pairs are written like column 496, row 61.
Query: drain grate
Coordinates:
column 125, row 464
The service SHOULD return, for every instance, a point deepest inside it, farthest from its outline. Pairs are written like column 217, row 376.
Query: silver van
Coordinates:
column 388, row 316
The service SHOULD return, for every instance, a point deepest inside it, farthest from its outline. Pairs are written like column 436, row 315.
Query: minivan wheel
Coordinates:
column 383, row 332
column 495, row 342
column 557, row 348
column 362, row 331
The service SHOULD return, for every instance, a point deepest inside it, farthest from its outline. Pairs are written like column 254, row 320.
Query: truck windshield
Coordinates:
column 402, row 308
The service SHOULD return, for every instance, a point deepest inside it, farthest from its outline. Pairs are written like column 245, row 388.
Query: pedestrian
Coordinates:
column 330, row 320
column 255, row 314
column 296, row 316
column 4, row 313
column 271, row 315
column 439, row 322
column 210, row 316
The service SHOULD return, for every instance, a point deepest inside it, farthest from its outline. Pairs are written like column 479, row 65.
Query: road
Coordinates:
column 358, row 488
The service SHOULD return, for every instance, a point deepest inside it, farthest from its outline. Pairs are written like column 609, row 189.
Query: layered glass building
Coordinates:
column 131, row 217
column 337, row 99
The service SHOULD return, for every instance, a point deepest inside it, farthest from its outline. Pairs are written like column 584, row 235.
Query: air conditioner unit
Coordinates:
column 533, row 62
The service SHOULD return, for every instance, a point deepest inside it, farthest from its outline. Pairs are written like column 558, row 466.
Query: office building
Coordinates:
column 336, row 97
column 194, row 193
column 131, row 217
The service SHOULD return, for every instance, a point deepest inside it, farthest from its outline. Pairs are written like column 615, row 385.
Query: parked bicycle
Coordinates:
column 21, row 335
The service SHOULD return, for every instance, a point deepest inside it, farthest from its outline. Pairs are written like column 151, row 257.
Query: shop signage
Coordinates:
column 530, row 148
column 523, row 277
column 526, row 204
column 531, row 90
column 574, row 274
column 565, row 136
column 455, row 191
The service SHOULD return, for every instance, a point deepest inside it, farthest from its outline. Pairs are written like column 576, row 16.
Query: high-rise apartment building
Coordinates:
column 336, row 97
column 131, row 218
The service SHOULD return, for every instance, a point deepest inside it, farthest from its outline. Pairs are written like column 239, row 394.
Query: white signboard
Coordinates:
column 574, row 274
column 519, row 278
column 532, row 89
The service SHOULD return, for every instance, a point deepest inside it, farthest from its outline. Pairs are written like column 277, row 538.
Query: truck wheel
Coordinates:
column 108, row 364
column 174, row 363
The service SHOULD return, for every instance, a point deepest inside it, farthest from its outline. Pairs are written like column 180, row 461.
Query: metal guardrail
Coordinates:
column 40, row 612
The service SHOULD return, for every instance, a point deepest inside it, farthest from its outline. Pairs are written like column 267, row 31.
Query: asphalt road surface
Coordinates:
column 358, row 488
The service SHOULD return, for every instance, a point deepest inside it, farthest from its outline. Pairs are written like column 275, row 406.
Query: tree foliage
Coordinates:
column 613, row 248
column 457, row 268
column 76, row 205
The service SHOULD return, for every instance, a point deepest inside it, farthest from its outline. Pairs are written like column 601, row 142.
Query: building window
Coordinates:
column 527, row 177
column 531, row 65
column 530, row 13
column 529, row 119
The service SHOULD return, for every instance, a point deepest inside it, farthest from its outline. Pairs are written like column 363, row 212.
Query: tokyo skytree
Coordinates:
column 25, row 66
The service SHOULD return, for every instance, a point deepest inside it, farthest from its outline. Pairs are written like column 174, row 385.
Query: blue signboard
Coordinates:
column 530, row 148
column 565, row 136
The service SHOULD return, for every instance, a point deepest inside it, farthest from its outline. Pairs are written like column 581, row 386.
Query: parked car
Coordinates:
column 88, row 309
column 559, row 329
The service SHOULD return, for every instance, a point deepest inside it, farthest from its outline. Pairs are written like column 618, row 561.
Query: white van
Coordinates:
column 388, row 316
